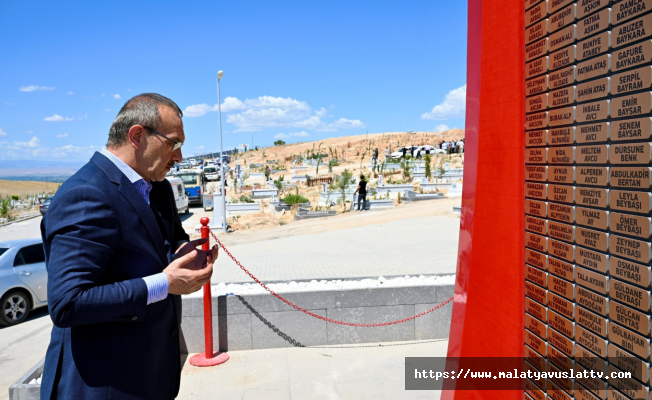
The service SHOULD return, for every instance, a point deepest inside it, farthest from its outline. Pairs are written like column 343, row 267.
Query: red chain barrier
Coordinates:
column 319, row 316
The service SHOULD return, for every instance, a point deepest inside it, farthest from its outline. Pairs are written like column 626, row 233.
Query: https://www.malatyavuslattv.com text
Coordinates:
column 535, row 375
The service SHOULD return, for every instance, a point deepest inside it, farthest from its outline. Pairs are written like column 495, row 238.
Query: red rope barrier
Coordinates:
column 319, row 316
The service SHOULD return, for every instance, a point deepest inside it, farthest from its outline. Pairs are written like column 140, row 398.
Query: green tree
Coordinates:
column 343, row 184
column 279, row 142
column 4, row 208
column 318, row 157
column 407, row 169
column 428, row 169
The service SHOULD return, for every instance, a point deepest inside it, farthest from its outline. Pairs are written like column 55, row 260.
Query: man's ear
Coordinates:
column 136, row 136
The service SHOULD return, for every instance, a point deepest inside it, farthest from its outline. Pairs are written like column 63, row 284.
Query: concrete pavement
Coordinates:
column 28, row 229
column 22, row 346
column 412, row 246
column 350, row 372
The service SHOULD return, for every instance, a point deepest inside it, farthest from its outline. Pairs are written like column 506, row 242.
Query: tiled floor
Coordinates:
column 359, row 373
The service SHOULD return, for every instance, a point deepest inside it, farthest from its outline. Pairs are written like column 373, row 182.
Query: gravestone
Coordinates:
column 447, row 167
column 323, row 187
column 380, row 180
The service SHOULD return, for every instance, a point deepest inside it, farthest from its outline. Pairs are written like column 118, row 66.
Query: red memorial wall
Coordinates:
column 488, row 305
column 555, row 240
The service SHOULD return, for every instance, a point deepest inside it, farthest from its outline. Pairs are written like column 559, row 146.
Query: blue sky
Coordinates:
column 296, row 70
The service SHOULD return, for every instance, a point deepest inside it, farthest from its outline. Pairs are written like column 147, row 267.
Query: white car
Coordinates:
column 184, row 165
column 212, row 173
column 23, row 279
column 399, row 153
column 180, row 197
column 193, row 163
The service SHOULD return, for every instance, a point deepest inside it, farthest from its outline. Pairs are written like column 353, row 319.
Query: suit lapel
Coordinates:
column 136, row 200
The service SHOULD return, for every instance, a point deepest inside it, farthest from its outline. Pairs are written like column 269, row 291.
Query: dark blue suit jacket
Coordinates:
column 100, row 239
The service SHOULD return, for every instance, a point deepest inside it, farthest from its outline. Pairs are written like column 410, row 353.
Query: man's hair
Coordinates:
column 361, row 176
column 139, row 110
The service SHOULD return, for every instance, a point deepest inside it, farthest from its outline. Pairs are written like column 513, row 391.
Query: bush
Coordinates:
column 294, row 199
column 279, row 142
column 279, row 183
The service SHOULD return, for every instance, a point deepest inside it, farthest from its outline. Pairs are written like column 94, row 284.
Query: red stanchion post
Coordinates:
column 208, row 358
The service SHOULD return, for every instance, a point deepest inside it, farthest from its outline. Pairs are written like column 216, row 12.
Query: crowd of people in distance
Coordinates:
column 452, row 147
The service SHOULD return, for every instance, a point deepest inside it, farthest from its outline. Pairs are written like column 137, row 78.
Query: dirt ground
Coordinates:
column 358, row 149
column 22, row 188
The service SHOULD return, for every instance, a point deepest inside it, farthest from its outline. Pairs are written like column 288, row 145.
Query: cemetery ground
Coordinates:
column 313, row 171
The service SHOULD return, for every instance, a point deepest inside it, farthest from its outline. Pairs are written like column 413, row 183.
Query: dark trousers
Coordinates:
column 362, row 198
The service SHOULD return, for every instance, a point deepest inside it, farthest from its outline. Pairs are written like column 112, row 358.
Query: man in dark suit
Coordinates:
column 118, row 260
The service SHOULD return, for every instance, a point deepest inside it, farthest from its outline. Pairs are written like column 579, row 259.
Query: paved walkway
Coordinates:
column 412, row 246
column 357, row 373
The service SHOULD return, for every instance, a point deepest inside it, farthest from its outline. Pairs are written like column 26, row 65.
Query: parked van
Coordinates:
column 194, row 181
column 180, row 197
column 212, row 172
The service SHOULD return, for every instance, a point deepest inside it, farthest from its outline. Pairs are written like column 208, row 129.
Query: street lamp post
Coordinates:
column 220, row 74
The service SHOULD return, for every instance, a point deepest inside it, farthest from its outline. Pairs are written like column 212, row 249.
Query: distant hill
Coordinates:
column 36, row 170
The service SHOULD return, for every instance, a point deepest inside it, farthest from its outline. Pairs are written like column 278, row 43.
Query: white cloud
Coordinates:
column 70, row 93
column 229, row 104
column 32, row 144
column 56, row 118
column 267, row 112
column 291, row 135
column 116, row 96
column 344, row 123
column 34, row 148
column 2, row 133
column 106, row 110
column 63, row 135
column 453, row 106
column 34, row 88
column 441, row 128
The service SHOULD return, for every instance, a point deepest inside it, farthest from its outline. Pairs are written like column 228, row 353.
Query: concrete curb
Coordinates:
column 37, row 214
column 22, row 390
column 262, row 321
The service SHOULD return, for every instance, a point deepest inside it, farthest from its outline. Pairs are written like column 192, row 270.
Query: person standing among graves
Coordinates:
column 419, row 153
column 375, row 157
column 404, row 151
column 118, row 260
column 361, row 191
column 386, row 153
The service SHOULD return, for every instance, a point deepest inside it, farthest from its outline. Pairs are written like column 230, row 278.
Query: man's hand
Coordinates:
column 185, row 280
column 203, row 256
